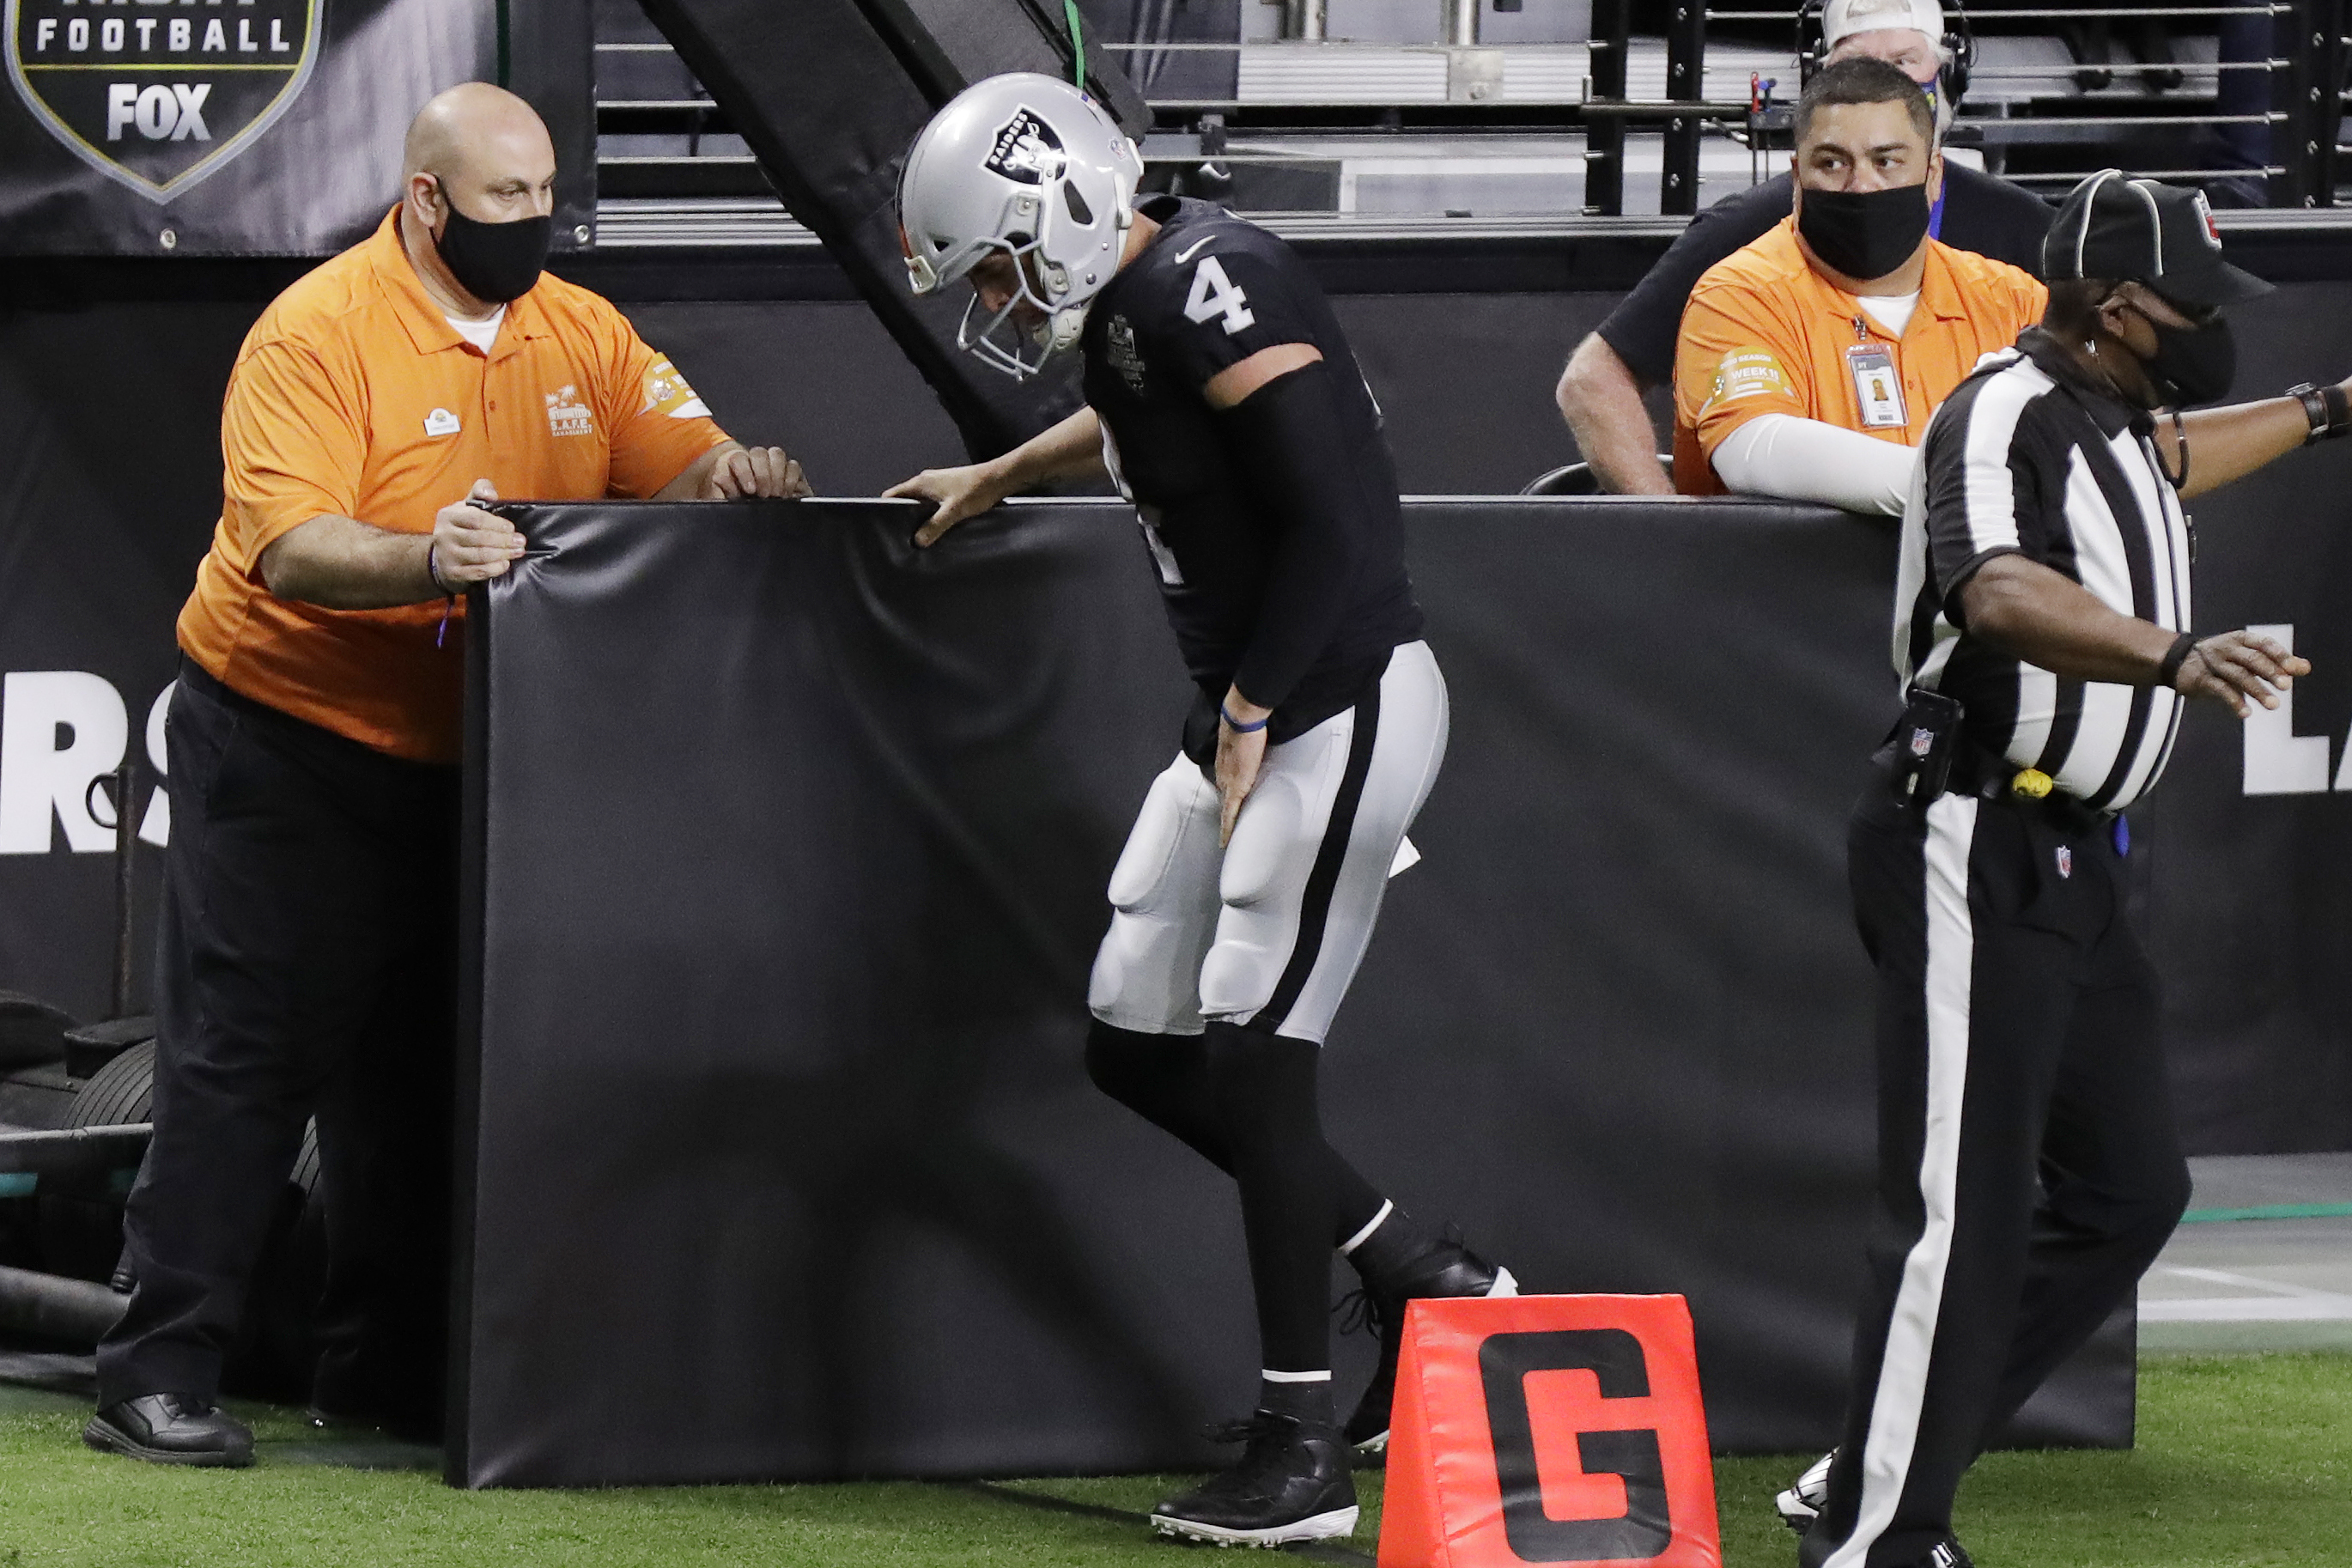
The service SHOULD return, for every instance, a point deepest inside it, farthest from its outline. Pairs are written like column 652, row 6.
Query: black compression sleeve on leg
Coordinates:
column 1164, row 1078
column 1264, row 1087
column 1291, row 447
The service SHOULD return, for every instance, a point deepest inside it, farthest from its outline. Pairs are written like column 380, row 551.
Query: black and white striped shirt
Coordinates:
column 2030, row 458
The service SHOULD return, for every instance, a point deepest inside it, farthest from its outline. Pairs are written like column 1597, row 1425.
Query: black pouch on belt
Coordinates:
column 1925, row 740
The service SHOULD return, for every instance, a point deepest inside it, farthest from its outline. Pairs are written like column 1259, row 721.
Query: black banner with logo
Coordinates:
column 213, row 127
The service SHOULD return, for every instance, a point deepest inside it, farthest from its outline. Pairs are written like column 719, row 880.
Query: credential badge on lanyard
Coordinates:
column 1877, row 390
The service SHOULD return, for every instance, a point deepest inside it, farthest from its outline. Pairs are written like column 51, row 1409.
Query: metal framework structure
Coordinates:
column 1305, row 100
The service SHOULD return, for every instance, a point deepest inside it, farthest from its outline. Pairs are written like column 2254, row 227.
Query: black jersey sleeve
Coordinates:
column 1290, row 444
column 1644, row 326
column 1993, row 217
column 1224, row 299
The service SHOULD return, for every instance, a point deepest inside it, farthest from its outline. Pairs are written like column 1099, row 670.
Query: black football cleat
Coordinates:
column 1801, row 1503
column 169, row 1429
column 1946, row 1553
column 1443, row 1268
column 1292, row 1484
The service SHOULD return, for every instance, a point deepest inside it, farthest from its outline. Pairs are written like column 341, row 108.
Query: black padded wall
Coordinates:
column 791, row 844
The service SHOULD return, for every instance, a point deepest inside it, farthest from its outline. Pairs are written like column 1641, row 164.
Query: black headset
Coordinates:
column 1959, row 51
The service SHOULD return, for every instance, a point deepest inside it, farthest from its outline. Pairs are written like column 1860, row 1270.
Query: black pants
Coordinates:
column 2029, row 1169
column 306, row 968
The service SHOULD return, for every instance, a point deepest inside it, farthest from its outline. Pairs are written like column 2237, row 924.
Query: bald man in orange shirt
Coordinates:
column 307, row 931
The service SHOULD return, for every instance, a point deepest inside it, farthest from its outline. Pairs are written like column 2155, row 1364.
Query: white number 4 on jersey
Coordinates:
column 1213, row 294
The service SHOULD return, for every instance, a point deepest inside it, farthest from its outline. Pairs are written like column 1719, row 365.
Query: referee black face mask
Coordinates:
column 494, row 261
column 2192, row 364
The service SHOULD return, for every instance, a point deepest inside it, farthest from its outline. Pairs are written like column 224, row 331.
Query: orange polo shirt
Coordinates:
column 354, row 395
column 1764, row 333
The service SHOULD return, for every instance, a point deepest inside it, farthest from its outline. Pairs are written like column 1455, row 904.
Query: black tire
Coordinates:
column 81, row 1236
column 81, row 1222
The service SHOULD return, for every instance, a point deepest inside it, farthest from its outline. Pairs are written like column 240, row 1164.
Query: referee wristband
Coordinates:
column 2326, row 408
column 2168, row 672
column 1237, row 727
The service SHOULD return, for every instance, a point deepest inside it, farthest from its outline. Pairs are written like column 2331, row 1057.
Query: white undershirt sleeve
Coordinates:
column 1790, row 458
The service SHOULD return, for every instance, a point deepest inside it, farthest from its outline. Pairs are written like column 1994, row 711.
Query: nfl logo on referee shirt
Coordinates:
column 2066, row 862
column 157, row 99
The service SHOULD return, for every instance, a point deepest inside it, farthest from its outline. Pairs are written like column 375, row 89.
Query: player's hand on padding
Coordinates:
column 1240, row 756
column 471, row 545
column 751, row 472
column 956, row 494
column 2236, row 666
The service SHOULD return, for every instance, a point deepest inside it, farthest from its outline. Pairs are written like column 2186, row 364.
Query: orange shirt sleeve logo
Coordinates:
column 667, row 393
column 1748, row 373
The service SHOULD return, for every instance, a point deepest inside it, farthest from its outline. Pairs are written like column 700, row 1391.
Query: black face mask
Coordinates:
column 1865, row 234
column 493, row 261
column 2192, row 364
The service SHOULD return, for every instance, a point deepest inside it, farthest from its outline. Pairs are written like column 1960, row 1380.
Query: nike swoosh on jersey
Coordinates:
column 1184, row 256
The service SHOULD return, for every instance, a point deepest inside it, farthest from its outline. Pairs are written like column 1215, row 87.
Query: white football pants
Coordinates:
column 1268, row 931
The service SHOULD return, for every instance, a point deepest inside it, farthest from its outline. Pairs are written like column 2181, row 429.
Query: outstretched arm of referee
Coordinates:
column 2033, row 613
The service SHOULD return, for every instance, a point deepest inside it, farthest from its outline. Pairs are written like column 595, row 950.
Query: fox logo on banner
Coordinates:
column 1553, row 1429
column 157, row 99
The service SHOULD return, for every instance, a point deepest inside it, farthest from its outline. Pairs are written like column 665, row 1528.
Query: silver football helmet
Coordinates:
column 1029, row 166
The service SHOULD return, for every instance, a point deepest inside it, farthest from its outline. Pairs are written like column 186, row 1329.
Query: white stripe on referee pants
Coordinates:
column 1911, row 1332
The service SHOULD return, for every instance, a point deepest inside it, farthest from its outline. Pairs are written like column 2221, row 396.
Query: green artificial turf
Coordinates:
column 2243, row 1461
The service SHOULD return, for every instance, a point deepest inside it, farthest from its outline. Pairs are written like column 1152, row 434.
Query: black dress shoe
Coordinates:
column 169, row 1429
column 1292, row 1484
column 1443, row 1269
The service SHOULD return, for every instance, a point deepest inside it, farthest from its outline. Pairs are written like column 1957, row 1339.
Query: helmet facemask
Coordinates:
column 1002, row 341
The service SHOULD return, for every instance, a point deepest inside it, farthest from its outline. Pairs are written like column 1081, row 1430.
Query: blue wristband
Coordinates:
column 1237, row 727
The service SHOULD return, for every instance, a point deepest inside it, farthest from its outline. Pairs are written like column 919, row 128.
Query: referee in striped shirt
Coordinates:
column 2029, row 1167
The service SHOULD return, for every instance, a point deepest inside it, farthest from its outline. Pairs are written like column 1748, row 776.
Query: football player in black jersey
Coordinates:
column 1222, row 397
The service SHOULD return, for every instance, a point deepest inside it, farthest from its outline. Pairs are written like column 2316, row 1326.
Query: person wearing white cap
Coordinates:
column 1599, row 394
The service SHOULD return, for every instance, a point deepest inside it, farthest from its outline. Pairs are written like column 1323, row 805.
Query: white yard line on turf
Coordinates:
column 2278, row 1303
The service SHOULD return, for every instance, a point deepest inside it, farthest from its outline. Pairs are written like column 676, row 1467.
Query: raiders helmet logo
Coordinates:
column 158, row 100
column 1026, row 150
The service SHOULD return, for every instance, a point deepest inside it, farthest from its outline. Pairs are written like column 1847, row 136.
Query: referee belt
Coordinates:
column 1978, row 773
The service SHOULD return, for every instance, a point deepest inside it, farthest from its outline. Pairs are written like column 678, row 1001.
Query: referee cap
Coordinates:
column 1841, row 19
column 2116, row 225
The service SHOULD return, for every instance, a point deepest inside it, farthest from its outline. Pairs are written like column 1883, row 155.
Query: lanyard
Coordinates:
column 1935, row 215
